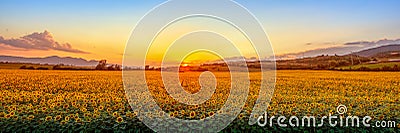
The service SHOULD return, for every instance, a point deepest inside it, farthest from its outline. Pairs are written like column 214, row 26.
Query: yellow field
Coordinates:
column 96, row 99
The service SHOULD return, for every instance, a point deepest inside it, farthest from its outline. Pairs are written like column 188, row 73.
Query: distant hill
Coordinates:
column 52, row 60
column 378, row 50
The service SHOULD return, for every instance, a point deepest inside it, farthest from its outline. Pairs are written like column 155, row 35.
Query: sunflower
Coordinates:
column 381, row 117
column 7, row 116
column 12, row 113
column 115, row 114
column 24, row 117
column 72, row 115
column 88, row 119
column 119, row 119
column 101, row 107
column 183, row 112
column 19, row 110
column 207, row 103
column 129, row 114
column 63, row 122
column 30, row 117
column 48, row 118
column 66, row 118
column 220, row 111
column 15, row 118
column 58, row 117
column 240, row 116
column 293, row 113
column 255, row 116
column 96, row 116
column 176, row 113
column 44, row 109
column 88, row 114
column 76, row 116
column 95, row 110
column 192, row 114
column 161, row 113
column 179, row 107
column 78, row 120
column 171, row 114
column 211, row 113
column 202, row 117
column 83, row 109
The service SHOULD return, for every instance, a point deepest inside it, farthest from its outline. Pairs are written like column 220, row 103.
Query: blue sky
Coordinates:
column 102, row 27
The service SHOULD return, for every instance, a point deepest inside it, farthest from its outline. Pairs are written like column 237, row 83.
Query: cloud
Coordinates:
column 339, row 50
column 39, row 41
column 321, row 43
column 357, row 43
column 379, row 42
column 342, row 49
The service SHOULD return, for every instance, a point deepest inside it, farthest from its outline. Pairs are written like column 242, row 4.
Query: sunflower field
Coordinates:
column 95, row 101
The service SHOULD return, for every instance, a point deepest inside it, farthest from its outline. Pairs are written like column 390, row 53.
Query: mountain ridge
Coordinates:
column 376, row 50
column 53, row 60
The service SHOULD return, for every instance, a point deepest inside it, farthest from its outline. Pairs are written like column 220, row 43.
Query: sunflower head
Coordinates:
column 119, row 119
column 171, row 114
column 44, row 109
column 210, row 113
column 192, row 114
column 240, row 116
column 78, row 120
column 58, row 117
column 66, row 118
column 12, row 113
column 63, row 122
column 48, row 118
column 115, row 114
column 15, row 117
column 202, row 116
column 30, row 117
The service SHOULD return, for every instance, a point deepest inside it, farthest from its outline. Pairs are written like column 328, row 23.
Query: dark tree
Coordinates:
column 102, row 65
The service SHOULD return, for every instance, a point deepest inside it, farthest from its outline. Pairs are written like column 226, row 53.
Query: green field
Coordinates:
column 18, row 65
column 36, row 66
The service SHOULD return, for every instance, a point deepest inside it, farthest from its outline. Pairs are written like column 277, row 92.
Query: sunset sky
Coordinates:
column 99, row 29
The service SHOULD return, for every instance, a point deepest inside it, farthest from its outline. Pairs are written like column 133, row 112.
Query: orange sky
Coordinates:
column 103, row 28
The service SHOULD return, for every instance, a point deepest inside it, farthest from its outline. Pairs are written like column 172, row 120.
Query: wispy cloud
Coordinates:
column 342, row 49
column 39, row 41
column 379, row 42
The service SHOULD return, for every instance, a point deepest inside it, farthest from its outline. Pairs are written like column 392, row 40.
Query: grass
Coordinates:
column 50, row 67
column 371, row 66
column 18, row 65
